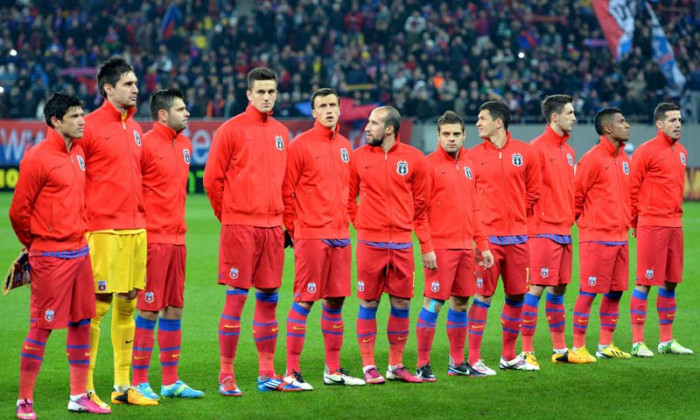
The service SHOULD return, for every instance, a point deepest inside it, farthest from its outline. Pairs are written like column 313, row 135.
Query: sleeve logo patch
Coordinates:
column 137, row 138
column 344, row 155
column 517, row 159
column 279, row 143
column 402, row 167
column 186, row 154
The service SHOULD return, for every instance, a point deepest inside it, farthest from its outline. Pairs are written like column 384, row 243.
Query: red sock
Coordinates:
column 332, row 327
column 476, row 324
column 527, row 330
column 397, row 333
column 229, row 330
column 367, row 334
column 78, row 351
column 169, row 341
column 296, row 334
column 265, row 331
column 511, row 318
column 143, row 349
column 609, row 313
column 582, row 314
column 556, row 317
column 456, row 335
column 425, row 333
column 31, row 356
column 638, row 314
column 666, row 307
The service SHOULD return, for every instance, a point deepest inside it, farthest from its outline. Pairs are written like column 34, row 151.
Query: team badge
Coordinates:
column 49, row 315
column 650, row 274
column 279, row 143
column 81, row 163
column 186, row 154
column 435, row 287
column 517, row 159
column 233, row 273
column 544, row 272
column 137, row 138
column 344, row 155
column 311, row 287
column 626, row 168
column 570, row 159
column 360, row 286
column 468, row 172
column 683, row 161
column 402, row 167
column 149, row 297
column 102, row 285
column 592, row 281
column 479, row 282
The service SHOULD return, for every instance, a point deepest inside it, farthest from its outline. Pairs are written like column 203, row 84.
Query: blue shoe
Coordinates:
column 180, row 390
column 228, row 388
column 276, row 383
column 145, row 390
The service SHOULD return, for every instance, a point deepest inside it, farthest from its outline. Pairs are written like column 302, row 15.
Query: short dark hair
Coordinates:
column 393, row 118
column 163, row 99
column 58, row 105
column 662, row 108
column 554, row 104
column 260, row 73
column 110, row 72
column 498, row 110
column 603, row 117
column 323, row 92
column 450, row 117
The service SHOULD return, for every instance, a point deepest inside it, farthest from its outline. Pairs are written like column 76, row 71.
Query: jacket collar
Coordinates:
column 609, row 146
column 118, row 116
column 460, row 153
column 660, row 134
column 554, row 137
column 57, row 141
column 164, row 131
column 257, row 116
column 326, row 132
column 491, row 145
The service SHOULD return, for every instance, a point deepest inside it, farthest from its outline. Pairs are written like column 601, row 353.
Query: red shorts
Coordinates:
column 550, row 262
column 659, row 255
column 165, row 278
column 384, row 270
column 251, row 256
column 603, row 268
column 320, row 271
column 511, row 262
column 454, row 275
column 62, row 290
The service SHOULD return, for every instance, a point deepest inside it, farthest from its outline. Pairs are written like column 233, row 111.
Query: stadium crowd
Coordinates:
column 422, row 56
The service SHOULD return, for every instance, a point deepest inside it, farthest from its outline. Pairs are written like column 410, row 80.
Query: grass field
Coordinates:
column 662, row 387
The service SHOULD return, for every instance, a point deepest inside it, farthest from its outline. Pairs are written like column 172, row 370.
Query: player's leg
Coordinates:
column 371, row 266
column 666, row 301
column 169, row 343
column 651, row 270
column 610, row 307
column 486, row 281
column 596, row 266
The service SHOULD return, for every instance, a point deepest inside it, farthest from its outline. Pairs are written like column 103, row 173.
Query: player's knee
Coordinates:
column 433, row 305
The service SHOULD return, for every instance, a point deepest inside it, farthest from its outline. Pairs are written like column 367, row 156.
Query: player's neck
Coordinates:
column 388, row 143
column 122, row 110
column 557, row 129
column 499, row 139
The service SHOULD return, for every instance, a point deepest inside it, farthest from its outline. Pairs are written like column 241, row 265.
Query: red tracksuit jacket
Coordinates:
column 554, row 211
column 507, row 184
column 165, row 162
column 245, row 169
column 453, row 215
column 657, row 183
column 48, row 207
column 394, row 191
column 112, row 144
column 315, row 188
column 602, row 193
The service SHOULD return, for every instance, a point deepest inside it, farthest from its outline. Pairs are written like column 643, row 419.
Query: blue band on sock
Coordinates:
column 557, row 299
column 144, row 323
column 300, row 309
column 433, row 305
column 169, row 324
column 613, row 295
column 335, row 311
column 456, row 317
column 514, row 303
column 367, row 313
column 237, row 292
column 399, row 313
column 639, row 294
column 79, row 323
column 532, row 300
column 588, row 294
column 484, row 305
column 427, row 317
column 267, row 297
column 667, row 293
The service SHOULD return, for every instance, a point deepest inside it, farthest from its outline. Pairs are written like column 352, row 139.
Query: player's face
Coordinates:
column 326, row 110
column 671, row 124
column 620, row 128
column 566, row 119
column 72, row 124
column 263, row 95
column 178, row 116
column 125, row 92
column 485, row 124
column 451, row 137
column 376, row 128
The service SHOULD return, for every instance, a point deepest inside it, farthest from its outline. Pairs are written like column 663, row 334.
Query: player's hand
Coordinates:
column 487, row 259
column 429, row 260
column 288, row 241
column 633, row 232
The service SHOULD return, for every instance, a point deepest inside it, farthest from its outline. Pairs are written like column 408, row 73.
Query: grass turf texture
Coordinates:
column 662, row 387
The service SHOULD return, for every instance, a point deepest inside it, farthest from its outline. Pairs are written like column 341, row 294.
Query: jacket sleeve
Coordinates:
column 31, row 180
column 353, row 191
column 533, row 181
column 215, row 170
column 421, row 195
column 584, row 179
column 291, row 178
column 640, row 166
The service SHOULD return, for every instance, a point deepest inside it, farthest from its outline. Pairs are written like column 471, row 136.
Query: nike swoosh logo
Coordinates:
column 295, row 328
column 340, row 382
column 129, row 341
column 529, row 320
column 581, row 321
column 140, row 357
column 670, row 315
column 614, row 320
column 231, row 326
column 337, row 326
column 175, row 355
column 366, row 340
column 31, row 348
column 401, row 338
column 641, row 319
column 478, row 327
column 275, row 329
column 87, row 354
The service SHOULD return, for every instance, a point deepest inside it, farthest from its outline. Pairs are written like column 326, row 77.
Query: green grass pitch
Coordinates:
column 661, row 387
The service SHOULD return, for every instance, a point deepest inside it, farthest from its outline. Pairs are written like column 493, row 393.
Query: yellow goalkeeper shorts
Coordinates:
column 118, row 259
